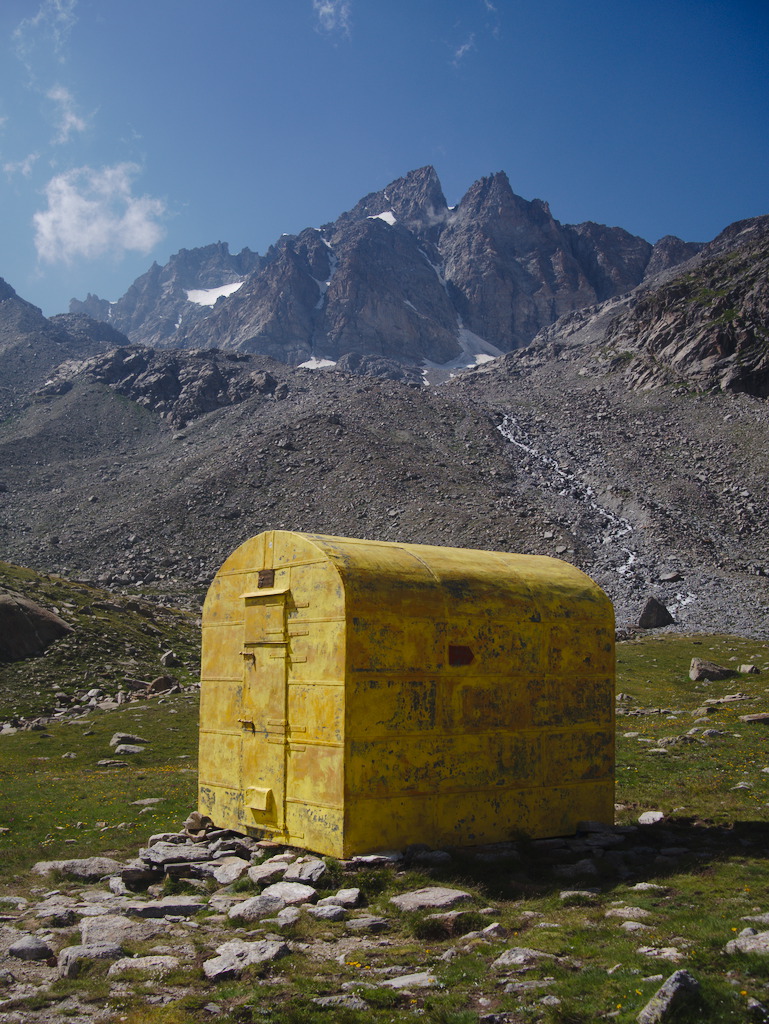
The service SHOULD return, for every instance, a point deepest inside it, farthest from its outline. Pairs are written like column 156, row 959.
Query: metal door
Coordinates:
column 263, row 721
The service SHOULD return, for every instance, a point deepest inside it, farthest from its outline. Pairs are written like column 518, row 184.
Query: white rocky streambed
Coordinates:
column 622, row 567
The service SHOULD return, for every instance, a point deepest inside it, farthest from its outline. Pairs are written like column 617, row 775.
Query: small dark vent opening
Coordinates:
column 459, row 654
column 266, row 578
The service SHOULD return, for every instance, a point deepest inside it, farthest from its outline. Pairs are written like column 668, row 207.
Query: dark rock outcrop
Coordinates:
column 710, row 324
column 179, row 386
column 26, row 629
column 31, row 345
column 655, row 615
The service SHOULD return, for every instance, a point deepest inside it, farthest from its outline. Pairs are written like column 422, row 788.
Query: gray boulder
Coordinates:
column 156, row 966
column 26, row 629
column 235, row 956
column 368, row 923
column 431, row 896
column 291, row 893
column 308, row 871
column 31, row 947
column 114, row 929
column 265, row 874
column 227, row 870
column 328, row 913
column 701, row 669
column 521, row 956
column 169, row 906
column 71, row 957
column 343, row 898
column 128, row 737
column 256, row 907
column 655, row 615
column 749, row 941
column 91, row 869
column 679, row 990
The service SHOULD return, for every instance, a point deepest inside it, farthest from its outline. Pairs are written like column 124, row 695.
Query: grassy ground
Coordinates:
column 715, row 796
column 114, row 638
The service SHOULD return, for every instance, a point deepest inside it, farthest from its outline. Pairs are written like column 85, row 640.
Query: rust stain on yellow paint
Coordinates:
column 361, row 695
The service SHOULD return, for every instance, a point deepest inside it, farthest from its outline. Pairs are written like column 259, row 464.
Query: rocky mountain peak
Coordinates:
column 502, row 222
column 397, row 277
column 669, row 252
column 6, row 292
column 416, row 201
column 157, row 304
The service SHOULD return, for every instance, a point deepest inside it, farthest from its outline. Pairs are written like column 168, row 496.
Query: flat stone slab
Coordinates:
column 125, row 737
column 753, row 918
column 749, row 941
column 308, row 871
column 432, row 896
column 235, row 956
column 348, row 1000
column 368, row 923
column 156, row 966
column 90, row 869
column 629, row 913
column 650, row 817
column 344, row 898
column 266, row 874
column 422, row 979
column 331, row 912
column 256, row 907
column 661, row 952
column 174, row 853
column 114, row 929
column 666, row 1003
column 291, row 893
column 169, row 906
column 227, row 870
column 31, row 947
column 71, row 957
column 521, row 956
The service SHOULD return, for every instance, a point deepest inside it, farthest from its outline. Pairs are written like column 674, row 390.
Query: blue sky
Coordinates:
column 130, row 129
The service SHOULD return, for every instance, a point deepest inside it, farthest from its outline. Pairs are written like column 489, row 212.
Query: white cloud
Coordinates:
column 333, row 15
column 93, row 213
column 23, row 167
column 489, row 6
column 464, row 49
column 54, row 18
column 69, row 121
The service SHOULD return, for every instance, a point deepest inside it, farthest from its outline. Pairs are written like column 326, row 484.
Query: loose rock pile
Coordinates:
column 80, row 704
column 195, row 929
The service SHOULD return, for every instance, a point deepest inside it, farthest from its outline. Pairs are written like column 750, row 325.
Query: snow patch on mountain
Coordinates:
column 208, row 296
column 317, row 364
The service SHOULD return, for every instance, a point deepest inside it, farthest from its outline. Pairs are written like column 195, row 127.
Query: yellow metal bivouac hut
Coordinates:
column 360, row 695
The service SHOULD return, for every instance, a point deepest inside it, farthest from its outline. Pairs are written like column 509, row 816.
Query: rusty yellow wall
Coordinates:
column 521, row 740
